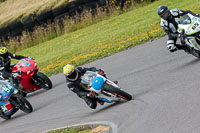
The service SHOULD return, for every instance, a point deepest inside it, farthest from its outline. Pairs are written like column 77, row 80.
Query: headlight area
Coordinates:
column 16, row 91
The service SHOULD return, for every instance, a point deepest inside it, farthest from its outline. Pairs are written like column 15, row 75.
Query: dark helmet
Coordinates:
column 4, row 52
column 164, row 12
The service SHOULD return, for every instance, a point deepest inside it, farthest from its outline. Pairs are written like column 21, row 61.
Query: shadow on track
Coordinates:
column 49, row 102
column 14, row 117
column 105, row 108
column 58, row 84
column 38, row 92
column 192, row 62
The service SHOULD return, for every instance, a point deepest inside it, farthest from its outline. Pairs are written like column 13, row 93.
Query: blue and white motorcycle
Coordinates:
column 189, row 29
column 103, row 88
column 11, row 101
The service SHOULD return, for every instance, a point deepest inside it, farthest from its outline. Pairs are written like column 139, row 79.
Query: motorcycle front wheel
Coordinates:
column 23, row 104
column 117, row 92
column 45, row 82
column 24, row 94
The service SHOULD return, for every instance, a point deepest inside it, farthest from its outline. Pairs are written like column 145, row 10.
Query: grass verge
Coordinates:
column 105, row 37
column 23, row 8
column 82, row 129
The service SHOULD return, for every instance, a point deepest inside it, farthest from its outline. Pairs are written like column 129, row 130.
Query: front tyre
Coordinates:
column 45, row 82
column 117, row 92
column 24, row 94
column 23, row 104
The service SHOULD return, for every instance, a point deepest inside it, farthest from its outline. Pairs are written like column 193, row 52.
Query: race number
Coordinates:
column 195, row 26
column 7, row 88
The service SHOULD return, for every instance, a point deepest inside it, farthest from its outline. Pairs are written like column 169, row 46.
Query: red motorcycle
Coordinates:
column 29, row 76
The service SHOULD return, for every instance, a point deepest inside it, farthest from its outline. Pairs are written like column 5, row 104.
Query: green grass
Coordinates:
column 104, row 38
column 79, row 129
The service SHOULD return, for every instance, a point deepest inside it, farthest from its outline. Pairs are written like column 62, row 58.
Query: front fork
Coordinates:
column 14, row 103
column 34, row 79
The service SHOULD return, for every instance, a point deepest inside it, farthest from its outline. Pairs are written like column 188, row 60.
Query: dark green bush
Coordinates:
column 2, row 1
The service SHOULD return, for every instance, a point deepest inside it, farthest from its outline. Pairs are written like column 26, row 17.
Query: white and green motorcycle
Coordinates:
column 189, row 29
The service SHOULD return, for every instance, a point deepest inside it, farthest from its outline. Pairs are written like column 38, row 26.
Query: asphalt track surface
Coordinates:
column 165, row 86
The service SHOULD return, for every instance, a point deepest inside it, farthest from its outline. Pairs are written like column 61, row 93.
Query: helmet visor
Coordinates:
column 165, row 15
column 73, row 75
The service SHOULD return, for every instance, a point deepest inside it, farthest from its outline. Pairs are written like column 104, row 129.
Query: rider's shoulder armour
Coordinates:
column 163, row 23
column 175, row 12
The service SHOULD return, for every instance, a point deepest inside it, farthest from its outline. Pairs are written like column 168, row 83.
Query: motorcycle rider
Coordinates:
column 169, row 23
column 73, row 79
column 5, row 63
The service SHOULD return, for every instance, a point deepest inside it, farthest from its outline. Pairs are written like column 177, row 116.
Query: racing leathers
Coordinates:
column 79, row 90
column 5, row 64
column 6, row 68
column 170, row 26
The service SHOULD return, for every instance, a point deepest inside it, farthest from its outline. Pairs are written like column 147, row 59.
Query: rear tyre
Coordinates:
column 45, row 82
column 24, row 104
column 117, row 92
column 196, row 53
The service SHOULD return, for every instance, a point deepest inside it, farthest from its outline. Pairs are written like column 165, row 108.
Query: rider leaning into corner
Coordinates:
column 73, row 79
column 169, row 23
column 5, row 62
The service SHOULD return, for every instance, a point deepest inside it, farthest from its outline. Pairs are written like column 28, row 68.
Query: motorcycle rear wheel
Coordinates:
column 24, row 104
column 117, row 92
column 46, row 82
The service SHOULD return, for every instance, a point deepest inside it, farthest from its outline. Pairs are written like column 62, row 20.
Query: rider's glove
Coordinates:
column 91, row 95
column 171, row 47
column 30, row 57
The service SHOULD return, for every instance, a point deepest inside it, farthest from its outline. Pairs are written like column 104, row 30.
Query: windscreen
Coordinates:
column 87, row 78
column 24, row 63
column 185, row 19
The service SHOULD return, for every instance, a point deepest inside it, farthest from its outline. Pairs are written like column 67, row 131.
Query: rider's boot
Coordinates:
column 100, row 102
column 92, row 103
column 182, row 47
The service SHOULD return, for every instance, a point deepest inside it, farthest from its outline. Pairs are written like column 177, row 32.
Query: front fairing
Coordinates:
column 27, row 66
column 6, row 107
column 190, row 24
column 87, row 78
column 6, row 90
column 92, row 81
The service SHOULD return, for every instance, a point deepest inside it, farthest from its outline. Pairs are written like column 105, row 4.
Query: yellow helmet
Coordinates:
column 3, row 50
column 70, row 72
